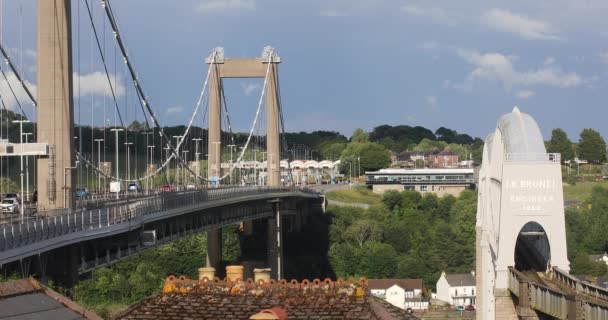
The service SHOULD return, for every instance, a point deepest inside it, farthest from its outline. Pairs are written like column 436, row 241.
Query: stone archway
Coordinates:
column 532, row 249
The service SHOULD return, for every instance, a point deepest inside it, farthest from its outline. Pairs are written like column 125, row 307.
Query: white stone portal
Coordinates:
column 520, row 195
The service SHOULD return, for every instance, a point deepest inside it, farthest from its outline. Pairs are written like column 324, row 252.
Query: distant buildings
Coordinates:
column 457, row 289
column 432, row 159
column 402, row 293
column 600, row 257
column 438, row 181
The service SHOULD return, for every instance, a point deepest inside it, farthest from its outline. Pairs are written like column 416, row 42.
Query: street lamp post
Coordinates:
column 167, row 159
column 65, row 191
column 217, row 160
column 231, row 146
column 99, row 141
column 20, row 122
column 147, row 134
column 177, row 144
column 116, row 130
column 264, row 167
column 151, row 148
column 255, row 165
column 128, row 144
column 241, row 168
column 185, row 171
column 196, row 156
column 27, row 170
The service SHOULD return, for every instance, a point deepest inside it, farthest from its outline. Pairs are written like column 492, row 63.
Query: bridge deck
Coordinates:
column 44, row 233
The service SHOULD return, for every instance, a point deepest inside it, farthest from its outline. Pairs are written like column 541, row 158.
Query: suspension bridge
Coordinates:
column 69, row 230
column 522, row 267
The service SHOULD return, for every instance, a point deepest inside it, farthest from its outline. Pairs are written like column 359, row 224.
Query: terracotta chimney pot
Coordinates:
column 261, row 274
column 206, row 272
column 274, row 313
column 234, row 273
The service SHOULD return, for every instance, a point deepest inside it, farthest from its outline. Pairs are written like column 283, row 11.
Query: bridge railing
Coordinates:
column 537, row 296
column 31, row 231
column 579, row 285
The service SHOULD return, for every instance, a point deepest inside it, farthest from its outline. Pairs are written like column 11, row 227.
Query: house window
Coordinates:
column 456, row 292
column 423, row 188
column 472, row 292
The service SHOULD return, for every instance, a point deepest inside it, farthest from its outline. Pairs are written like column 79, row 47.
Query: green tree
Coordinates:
column 363, row 231
column 584, row 265
column 360, row 136
column 369, row 156
column 560, row 143
column 333, row 151
column 8, row 185
column 591, row 146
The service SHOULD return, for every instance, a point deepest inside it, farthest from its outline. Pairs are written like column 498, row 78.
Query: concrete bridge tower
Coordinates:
column 520, row 214
column 55, row 104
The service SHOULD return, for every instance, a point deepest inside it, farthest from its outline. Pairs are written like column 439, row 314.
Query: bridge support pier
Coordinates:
column 524, row 311
column 505, row 308
column 575, row 308
column 275, row 244
column 214, row 250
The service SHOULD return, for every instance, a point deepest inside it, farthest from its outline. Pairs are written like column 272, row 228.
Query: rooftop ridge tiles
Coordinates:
column 326, row 288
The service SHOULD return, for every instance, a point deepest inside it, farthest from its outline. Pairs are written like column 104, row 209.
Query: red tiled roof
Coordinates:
column 183, row 298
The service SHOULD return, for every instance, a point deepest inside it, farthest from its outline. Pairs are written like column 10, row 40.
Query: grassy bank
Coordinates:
column 357, row 194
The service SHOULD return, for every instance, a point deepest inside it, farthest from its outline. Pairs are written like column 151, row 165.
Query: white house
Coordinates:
column 600, row 257
column 457, row 289
column 402, row 293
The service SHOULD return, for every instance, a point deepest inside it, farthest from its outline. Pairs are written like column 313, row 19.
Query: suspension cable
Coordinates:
column 12, row 91
column 103, row 59
column 8, row 61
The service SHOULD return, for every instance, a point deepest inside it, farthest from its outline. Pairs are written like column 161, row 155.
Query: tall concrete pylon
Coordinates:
column 520, row 210
column 55, row 104
column 222, row 67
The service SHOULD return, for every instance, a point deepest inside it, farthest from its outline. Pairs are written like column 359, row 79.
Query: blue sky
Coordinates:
column 349, row 64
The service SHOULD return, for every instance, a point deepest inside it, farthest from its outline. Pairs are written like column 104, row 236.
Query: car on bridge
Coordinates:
column 10, row 205
column 81, row 193
column 133, row 187
column 470, row 308
column 11, row 195
column 459, row 308
column 168, row 188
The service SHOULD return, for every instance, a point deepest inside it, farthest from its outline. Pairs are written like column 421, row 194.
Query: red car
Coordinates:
column 470, row 308
column 168, row 188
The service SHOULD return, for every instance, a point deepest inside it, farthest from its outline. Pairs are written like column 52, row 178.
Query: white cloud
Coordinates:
column 96, row 83
column 431, row 101
column 549, row 61
column 499, row 67
column 214, row 6
column 435, row 13
column 334, row 13
column 174, row 110
column 7, row 95
column 525, row 94
column 249, row 88
column 527, row 28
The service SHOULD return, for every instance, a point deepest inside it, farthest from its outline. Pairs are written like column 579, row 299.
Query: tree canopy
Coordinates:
column 591, row 146
column 560, row 143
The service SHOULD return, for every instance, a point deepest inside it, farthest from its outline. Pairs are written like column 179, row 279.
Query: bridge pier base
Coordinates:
column 275, row 244
column 524, row 311
column 505, row 308
column 214, row 250
column 575, row 308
